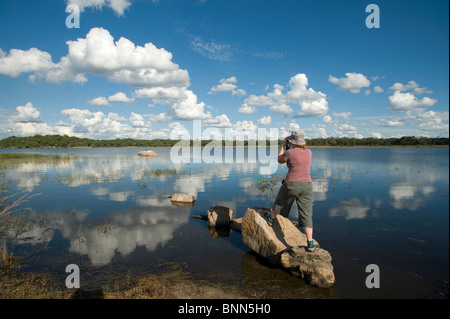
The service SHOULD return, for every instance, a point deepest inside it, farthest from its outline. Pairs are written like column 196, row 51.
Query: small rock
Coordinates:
column 182, row 198
column 219, row 216
column 147, row 153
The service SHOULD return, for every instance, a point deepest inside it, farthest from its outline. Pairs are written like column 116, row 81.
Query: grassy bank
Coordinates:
column 174, row 284
column 166, row 286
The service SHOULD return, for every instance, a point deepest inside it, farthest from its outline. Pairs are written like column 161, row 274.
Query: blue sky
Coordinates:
column 146, row 69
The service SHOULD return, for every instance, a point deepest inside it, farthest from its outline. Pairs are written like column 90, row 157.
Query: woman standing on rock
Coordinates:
column 297, row 185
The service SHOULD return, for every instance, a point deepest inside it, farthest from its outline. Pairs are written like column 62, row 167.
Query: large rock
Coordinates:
column 283, row 244
column 315, row 268
column 219, row 216
column 269, row 241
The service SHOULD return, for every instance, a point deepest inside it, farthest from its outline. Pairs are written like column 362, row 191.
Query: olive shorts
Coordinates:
column 302, row 193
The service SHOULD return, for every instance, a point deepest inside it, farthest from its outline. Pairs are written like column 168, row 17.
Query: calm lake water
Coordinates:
column 108, row 211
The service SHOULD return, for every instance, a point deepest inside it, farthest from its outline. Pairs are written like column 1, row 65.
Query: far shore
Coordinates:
column 163, row 147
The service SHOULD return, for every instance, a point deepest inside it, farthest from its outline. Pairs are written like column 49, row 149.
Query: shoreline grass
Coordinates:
column 174, row 283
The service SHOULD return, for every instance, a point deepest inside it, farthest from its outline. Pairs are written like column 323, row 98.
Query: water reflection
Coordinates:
column 144, row 226
column 409, row 196
column 408, row 185
column 350, row 209
column 105, row 205
column 100, row 240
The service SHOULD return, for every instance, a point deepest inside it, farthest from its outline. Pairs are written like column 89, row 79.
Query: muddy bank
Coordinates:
column 176, row 283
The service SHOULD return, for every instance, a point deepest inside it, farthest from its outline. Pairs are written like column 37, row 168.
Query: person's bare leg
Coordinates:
column 308, row 233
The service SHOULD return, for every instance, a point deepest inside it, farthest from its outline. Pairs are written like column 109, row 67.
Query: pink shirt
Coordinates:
column 299, row 165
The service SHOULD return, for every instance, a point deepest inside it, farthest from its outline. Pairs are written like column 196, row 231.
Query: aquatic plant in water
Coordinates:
column 268, row 184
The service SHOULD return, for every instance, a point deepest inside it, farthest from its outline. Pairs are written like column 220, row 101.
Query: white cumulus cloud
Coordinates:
column 412, row 85
column 98, row 54
column 247, row 109
column 266, row 120
column 219, row 121
column 407, row 101
column 118, row 6
column 228, row 85
column 189, row 108
column 281, row 109
column 147, row 68
column 120, row 97
column 137, row 120
column 312, row 103
column 378, row 89
column 19, row 61
column 26, row 114
column 352, row 82
column 100, row 101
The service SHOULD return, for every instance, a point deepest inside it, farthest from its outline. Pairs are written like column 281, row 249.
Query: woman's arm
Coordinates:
column 281, row 159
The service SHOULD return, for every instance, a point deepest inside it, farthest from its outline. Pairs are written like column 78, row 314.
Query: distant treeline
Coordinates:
column 58, row 141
